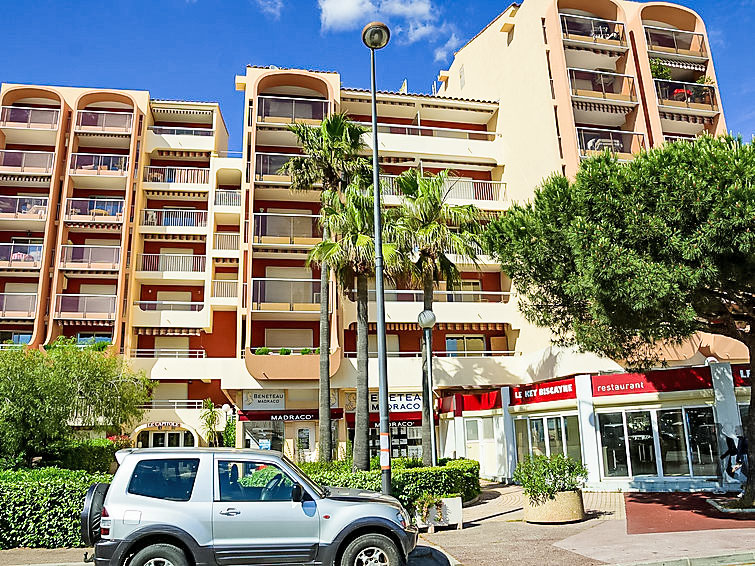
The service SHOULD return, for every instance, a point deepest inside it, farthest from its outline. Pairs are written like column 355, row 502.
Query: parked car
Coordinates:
column 204, row 506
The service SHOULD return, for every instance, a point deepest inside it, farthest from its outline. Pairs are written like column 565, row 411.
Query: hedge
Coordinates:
column 91, row 455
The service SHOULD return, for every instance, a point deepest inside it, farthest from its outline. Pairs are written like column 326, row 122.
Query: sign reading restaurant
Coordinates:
column 543, row 392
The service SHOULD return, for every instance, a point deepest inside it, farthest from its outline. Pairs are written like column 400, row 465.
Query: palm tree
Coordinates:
column 331, row 158
column 431, row 232
column 348, row 218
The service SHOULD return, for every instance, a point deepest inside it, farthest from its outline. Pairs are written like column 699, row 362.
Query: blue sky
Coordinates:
column 191, row 49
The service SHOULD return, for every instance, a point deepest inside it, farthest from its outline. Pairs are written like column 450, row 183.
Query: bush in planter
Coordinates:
column 305, row 351
column 659, row 70
column 263, row 351
column 284, row 352
column 542, row 478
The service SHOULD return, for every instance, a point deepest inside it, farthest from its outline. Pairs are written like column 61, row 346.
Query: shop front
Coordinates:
column 165, row 434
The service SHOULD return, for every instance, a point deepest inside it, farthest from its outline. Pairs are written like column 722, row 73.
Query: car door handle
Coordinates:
column 230, row 512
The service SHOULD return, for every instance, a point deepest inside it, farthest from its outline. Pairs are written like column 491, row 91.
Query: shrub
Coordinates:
column 91, row 455
column 40, row 508
column 284, row 352
column 659, row 70
column 305, row 351
column 263, row 351
column 541, row 477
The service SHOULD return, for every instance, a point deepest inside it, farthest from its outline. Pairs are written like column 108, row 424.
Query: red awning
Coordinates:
column 291, row 415
column 409, row 418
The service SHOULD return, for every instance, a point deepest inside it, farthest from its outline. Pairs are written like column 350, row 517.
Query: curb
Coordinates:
column 739, row 558
column 722, row 509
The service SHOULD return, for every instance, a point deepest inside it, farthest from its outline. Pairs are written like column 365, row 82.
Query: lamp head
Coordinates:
column 226, row 408
column 375, row 35
column 426, row 319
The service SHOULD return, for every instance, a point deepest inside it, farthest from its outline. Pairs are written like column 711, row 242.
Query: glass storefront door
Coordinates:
column 265, row 435
column 165, row 439
column 548, row 436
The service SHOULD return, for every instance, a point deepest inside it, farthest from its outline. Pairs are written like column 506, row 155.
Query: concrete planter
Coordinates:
column 565, row 508
column 450, row 513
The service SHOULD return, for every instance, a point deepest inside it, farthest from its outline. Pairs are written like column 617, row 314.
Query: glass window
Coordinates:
column 249, row 481
column 487, row 429
column 573, row 442
column 171, row 479
column 537, row 437
column 673, row 443
column 702, row 441
column 744, row 411
column 302, row 436
column 613, row 444
column 188, row 438
column 174, row 439
column 464, row 345
column 641, row 444
column 555, row 439
column 472, row 431
column 265, row 435
column 522, row 444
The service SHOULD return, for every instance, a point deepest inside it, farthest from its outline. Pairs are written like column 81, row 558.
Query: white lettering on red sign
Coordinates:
column 544, row 391
column 620, row 387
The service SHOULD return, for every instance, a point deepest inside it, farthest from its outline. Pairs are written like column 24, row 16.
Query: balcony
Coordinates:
column 597, row 33
column 172, row 221
column 180, row 138
column 104, row 122
column 228, row 198
column 174, row 131
column 599, row 85
column 286, row 230
column 177, row 175
column 687, row 98
column 96, row 170
column 439, row 354
column 23, row 212
column 675, row 44
column 18, row 305
column 225, row 289
column 95, row 211
column 98, row 258
column 172, row 263
column 29, row 118
column 85, row 307
column 272, row 295
column 171, row 314
column 459, row 190
column 226, row 241
column 280, row 110
column 268, row 165
column 593, row 141
column 26, row 162
column 168, row 353
column 20, row 256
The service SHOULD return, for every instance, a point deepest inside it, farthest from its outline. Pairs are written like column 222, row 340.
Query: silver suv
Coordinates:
column 204, row 506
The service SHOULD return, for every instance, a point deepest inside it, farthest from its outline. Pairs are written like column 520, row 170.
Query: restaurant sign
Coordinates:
column 559, row 390
column 660, row 381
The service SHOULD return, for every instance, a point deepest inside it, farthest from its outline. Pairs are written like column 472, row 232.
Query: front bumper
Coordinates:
column 408, row 537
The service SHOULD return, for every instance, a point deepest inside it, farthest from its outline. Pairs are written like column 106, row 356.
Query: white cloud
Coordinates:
column 270, row 8
column 341, row 15
column 442, row 52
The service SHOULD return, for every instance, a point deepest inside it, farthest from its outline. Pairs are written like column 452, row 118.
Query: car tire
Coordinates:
column 159, row 555
column 369, row 550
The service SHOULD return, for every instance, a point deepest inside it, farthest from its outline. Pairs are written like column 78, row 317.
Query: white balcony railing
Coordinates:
column 457, row 189
column 178, row 131
column 168, row 353
column 226, row 241
column 440, row 354
column 90, row 257
column 31, row 118
column 173, row 404
column 17, row 161
column 174, row 217
column 286, row 229
column 187, row 175
column 273, row 294
column 21, row 255
column 667, row 41
column 586, row 29
column 18, row 305
column 596, row 140
column 416, row 296
column 99, row 164
column 172, row 306
column 226, row 197
column 172, row 262
column 94, row 210
column 284, row 110
column 85, row 307
column 23, row 208
column 225, row 289
column 433, row 132
column 104, row 121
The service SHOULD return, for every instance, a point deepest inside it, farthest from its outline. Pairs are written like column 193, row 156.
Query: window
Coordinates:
column 613, row 444
column 250, row 481
column 522, row 442
column 464, row 345
column 537, row 438
column 548, row 436
column 673, row 446
column 641, row 445
column 93, row 338
column 703, row 444
column 17, row 338
column 171, row 479
column 265, row 435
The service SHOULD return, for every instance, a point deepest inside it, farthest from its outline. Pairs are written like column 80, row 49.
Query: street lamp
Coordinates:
column 375, row 35
column 426, row 320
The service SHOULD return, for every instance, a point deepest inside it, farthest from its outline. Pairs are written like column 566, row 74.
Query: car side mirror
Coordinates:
column 297, row 493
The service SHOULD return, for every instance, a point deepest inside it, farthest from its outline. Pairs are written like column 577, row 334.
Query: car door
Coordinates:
column 255, row 520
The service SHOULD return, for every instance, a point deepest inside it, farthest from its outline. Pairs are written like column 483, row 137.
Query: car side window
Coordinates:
column 252, row 481
column 169, row 478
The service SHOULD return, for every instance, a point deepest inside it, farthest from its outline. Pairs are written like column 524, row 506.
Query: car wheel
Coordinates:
column 372, row 550
column 159, row 555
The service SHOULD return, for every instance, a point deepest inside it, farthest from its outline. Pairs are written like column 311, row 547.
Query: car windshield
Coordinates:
column 320, row 491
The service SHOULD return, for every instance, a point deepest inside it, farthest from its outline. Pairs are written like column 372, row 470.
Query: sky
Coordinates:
column 192, row 49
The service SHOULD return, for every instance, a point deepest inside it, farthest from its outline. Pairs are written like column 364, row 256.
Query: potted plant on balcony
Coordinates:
column 552, row 489
column 659, row 70
column 701, row 92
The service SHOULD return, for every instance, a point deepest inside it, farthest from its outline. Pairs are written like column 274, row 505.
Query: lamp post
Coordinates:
column 426, row 321
column 375, row 35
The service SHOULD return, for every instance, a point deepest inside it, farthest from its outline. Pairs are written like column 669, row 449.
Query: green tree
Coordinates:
column 350, row 251
column 433, row 234
column 210, row 418
column 331, row 158
column 627, row 256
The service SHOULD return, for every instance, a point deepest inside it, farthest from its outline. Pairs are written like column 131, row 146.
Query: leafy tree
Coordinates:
column 210, row 418
column 331, row 158
column 627, row 256
column 433, row 233
column 349, row 220
column 229, row 432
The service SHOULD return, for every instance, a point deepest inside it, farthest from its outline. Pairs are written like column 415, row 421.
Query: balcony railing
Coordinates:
column 177, row 131
column 17, row 161
column 18, row 305
column 433, row 132
column 225, row 289
column 226, row 241
column 86, row 307
column 23, row 208
column 179, row 306
column 173, row 217
column 286, row 229
column 188, row 175
column 168, row 353
column 31, row 118
column 457, row 188
column 586, row 29
column 606, row 86
column 665, row 41
column 281, row 110
column 692, row 96
column 416, row 296
column 94, row 210
column 21, row 255
column 675, row 138
column 596, row 140
column 272, row 294
column 268, row 166
column 172, row 262
column 225, row 197
column 99, row 164
column 440, row 354
column 104, row 121
column 173, row 404
column 90, row 257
